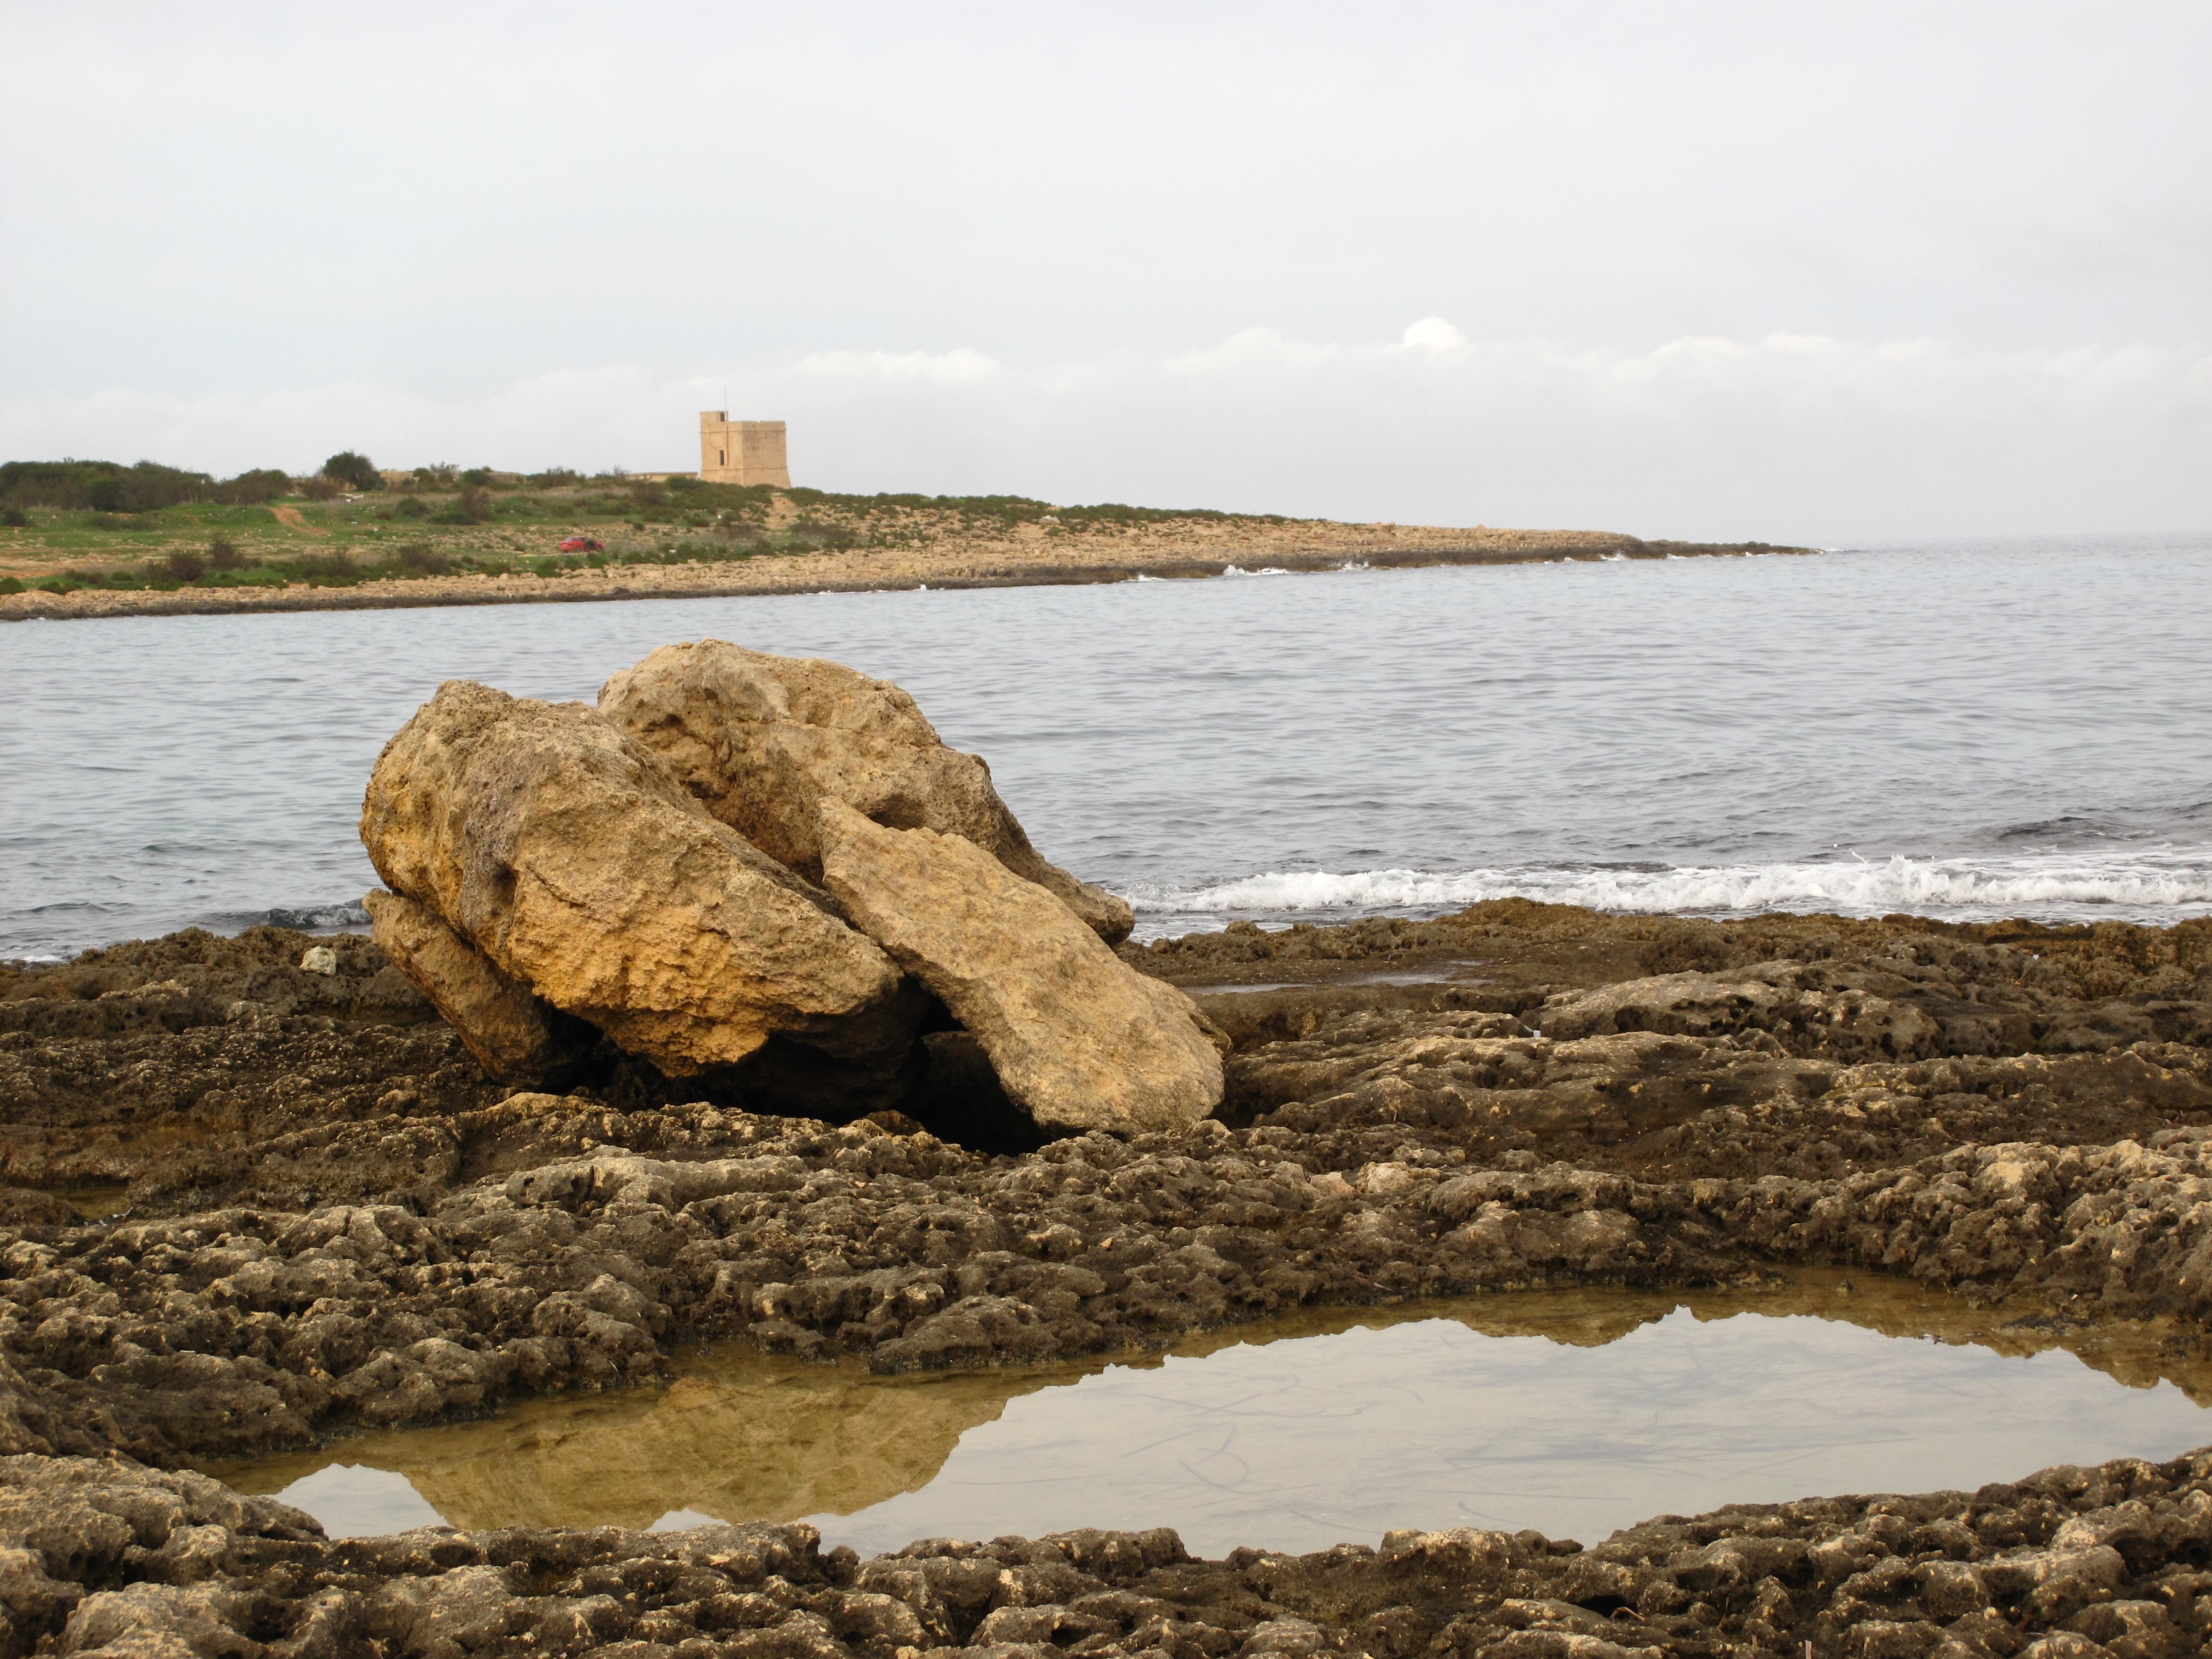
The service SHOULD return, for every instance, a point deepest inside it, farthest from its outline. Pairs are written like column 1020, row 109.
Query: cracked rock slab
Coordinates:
column 1080, row 1040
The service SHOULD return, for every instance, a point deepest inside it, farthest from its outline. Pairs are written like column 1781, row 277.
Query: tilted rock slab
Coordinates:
column 1079, row 1039
column 575, row 864
column 515, row 1035
column 763, row 741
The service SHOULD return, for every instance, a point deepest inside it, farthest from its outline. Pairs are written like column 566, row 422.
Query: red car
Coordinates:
column 581, row 544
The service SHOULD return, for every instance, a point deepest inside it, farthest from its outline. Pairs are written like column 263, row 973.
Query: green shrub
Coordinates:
column 328, row 570
column 422, row 559
column 14, row 517
column 256, row 488
column 106, row 487
column 222, row 553
column 319, row 489
column 477, row 477
column 186, row 564
column 9, row 585
column 411, row 506
column 809, row 534
column 102, row 486
column 353, row 470
column 471, row 506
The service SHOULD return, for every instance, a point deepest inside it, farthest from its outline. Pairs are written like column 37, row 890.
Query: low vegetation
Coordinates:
column 69, row 525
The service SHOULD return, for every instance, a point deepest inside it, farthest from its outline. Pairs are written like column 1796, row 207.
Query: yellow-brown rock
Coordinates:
column 764, row 740
column 568, row 856
column 1078, row 1039
column 515, row 1035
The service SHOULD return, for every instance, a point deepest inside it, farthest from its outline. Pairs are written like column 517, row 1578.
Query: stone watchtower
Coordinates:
column 741, row 452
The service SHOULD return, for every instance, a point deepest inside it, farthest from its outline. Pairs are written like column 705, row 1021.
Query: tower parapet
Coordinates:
column 741, row 452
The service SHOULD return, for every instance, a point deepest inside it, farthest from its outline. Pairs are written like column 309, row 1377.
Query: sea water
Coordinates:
column 1969, row 731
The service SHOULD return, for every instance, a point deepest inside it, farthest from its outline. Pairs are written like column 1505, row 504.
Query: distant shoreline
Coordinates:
column 993, row 563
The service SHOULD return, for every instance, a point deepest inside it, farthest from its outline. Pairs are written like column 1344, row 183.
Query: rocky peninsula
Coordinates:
column 507, row 540
column 260, row 1191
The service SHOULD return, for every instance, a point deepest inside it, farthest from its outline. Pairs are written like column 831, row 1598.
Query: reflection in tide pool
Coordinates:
column 1576, row 1414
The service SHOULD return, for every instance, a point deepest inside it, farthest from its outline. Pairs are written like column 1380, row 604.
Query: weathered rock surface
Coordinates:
column 764, row 740
column 332, row 1219
column 414, row 1267
column 515, row 1035
column 2107, row 1560
column 575, row 864
column 1078, row 1039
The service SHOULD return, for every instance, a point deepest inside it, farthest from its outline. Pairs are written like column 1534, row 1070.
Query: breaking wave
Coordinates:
column 306, row 919
column 2164, row 887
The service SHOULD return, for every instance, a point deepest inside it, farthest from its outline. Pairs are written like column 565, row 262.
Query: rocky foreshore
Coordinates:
column 314, row 1211
column 98, row 1556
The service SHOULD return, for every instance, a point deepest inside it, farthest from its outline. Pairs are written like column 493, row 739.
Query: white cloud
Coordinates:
column 1786, row 437
column 1253, row 352
column 949, row 367
column 1433, row 334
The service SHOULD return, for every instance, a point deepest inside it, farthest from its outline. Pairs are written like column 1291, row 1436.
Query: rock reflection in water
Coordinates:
column 1575, row 1413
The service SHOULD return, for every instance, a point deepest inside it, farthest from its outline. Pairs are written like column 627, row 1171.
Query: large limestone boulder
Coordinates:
column 571, row 859
column 515, row 1035
column 763, row 741
column 1078, row 1039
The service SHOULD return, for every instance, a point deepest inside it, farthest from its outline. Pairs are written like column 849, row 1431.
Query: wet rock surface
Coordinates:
column 318, row 1213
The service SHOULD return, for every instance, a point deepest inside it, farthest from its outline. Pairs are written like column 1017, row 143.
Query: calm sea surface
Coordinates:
column 2017, row 728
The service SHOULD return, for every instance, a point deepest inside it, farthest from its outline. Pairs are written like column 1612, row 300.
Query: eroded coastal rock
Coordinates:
column 762, row 741
column 2073, row 1562
column 515, row 1035
column 1078, row 1039
column 256, row 1205
column 580, row 869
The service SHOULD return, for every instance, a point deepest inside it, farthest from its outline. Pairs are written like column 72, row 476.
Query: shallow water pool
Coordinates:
column 1575, row 1413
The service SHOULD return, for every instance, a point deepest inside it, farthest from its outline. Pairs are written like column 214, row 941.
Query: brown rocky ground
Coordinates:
column 314, row 1213
column 97, row 1556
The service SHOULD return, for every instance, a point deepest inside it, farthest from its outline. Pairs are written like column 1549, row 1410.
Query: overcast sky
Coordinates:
column 1823, row 271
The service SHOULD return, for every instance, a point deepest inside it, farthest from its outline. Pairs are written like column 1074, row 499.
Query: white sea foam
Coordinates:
column 2166, row 886
column 307, row 918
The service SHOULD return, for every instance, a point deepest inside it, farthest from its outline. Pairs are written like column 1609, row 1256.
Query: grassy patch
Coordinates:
column 335, row 531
